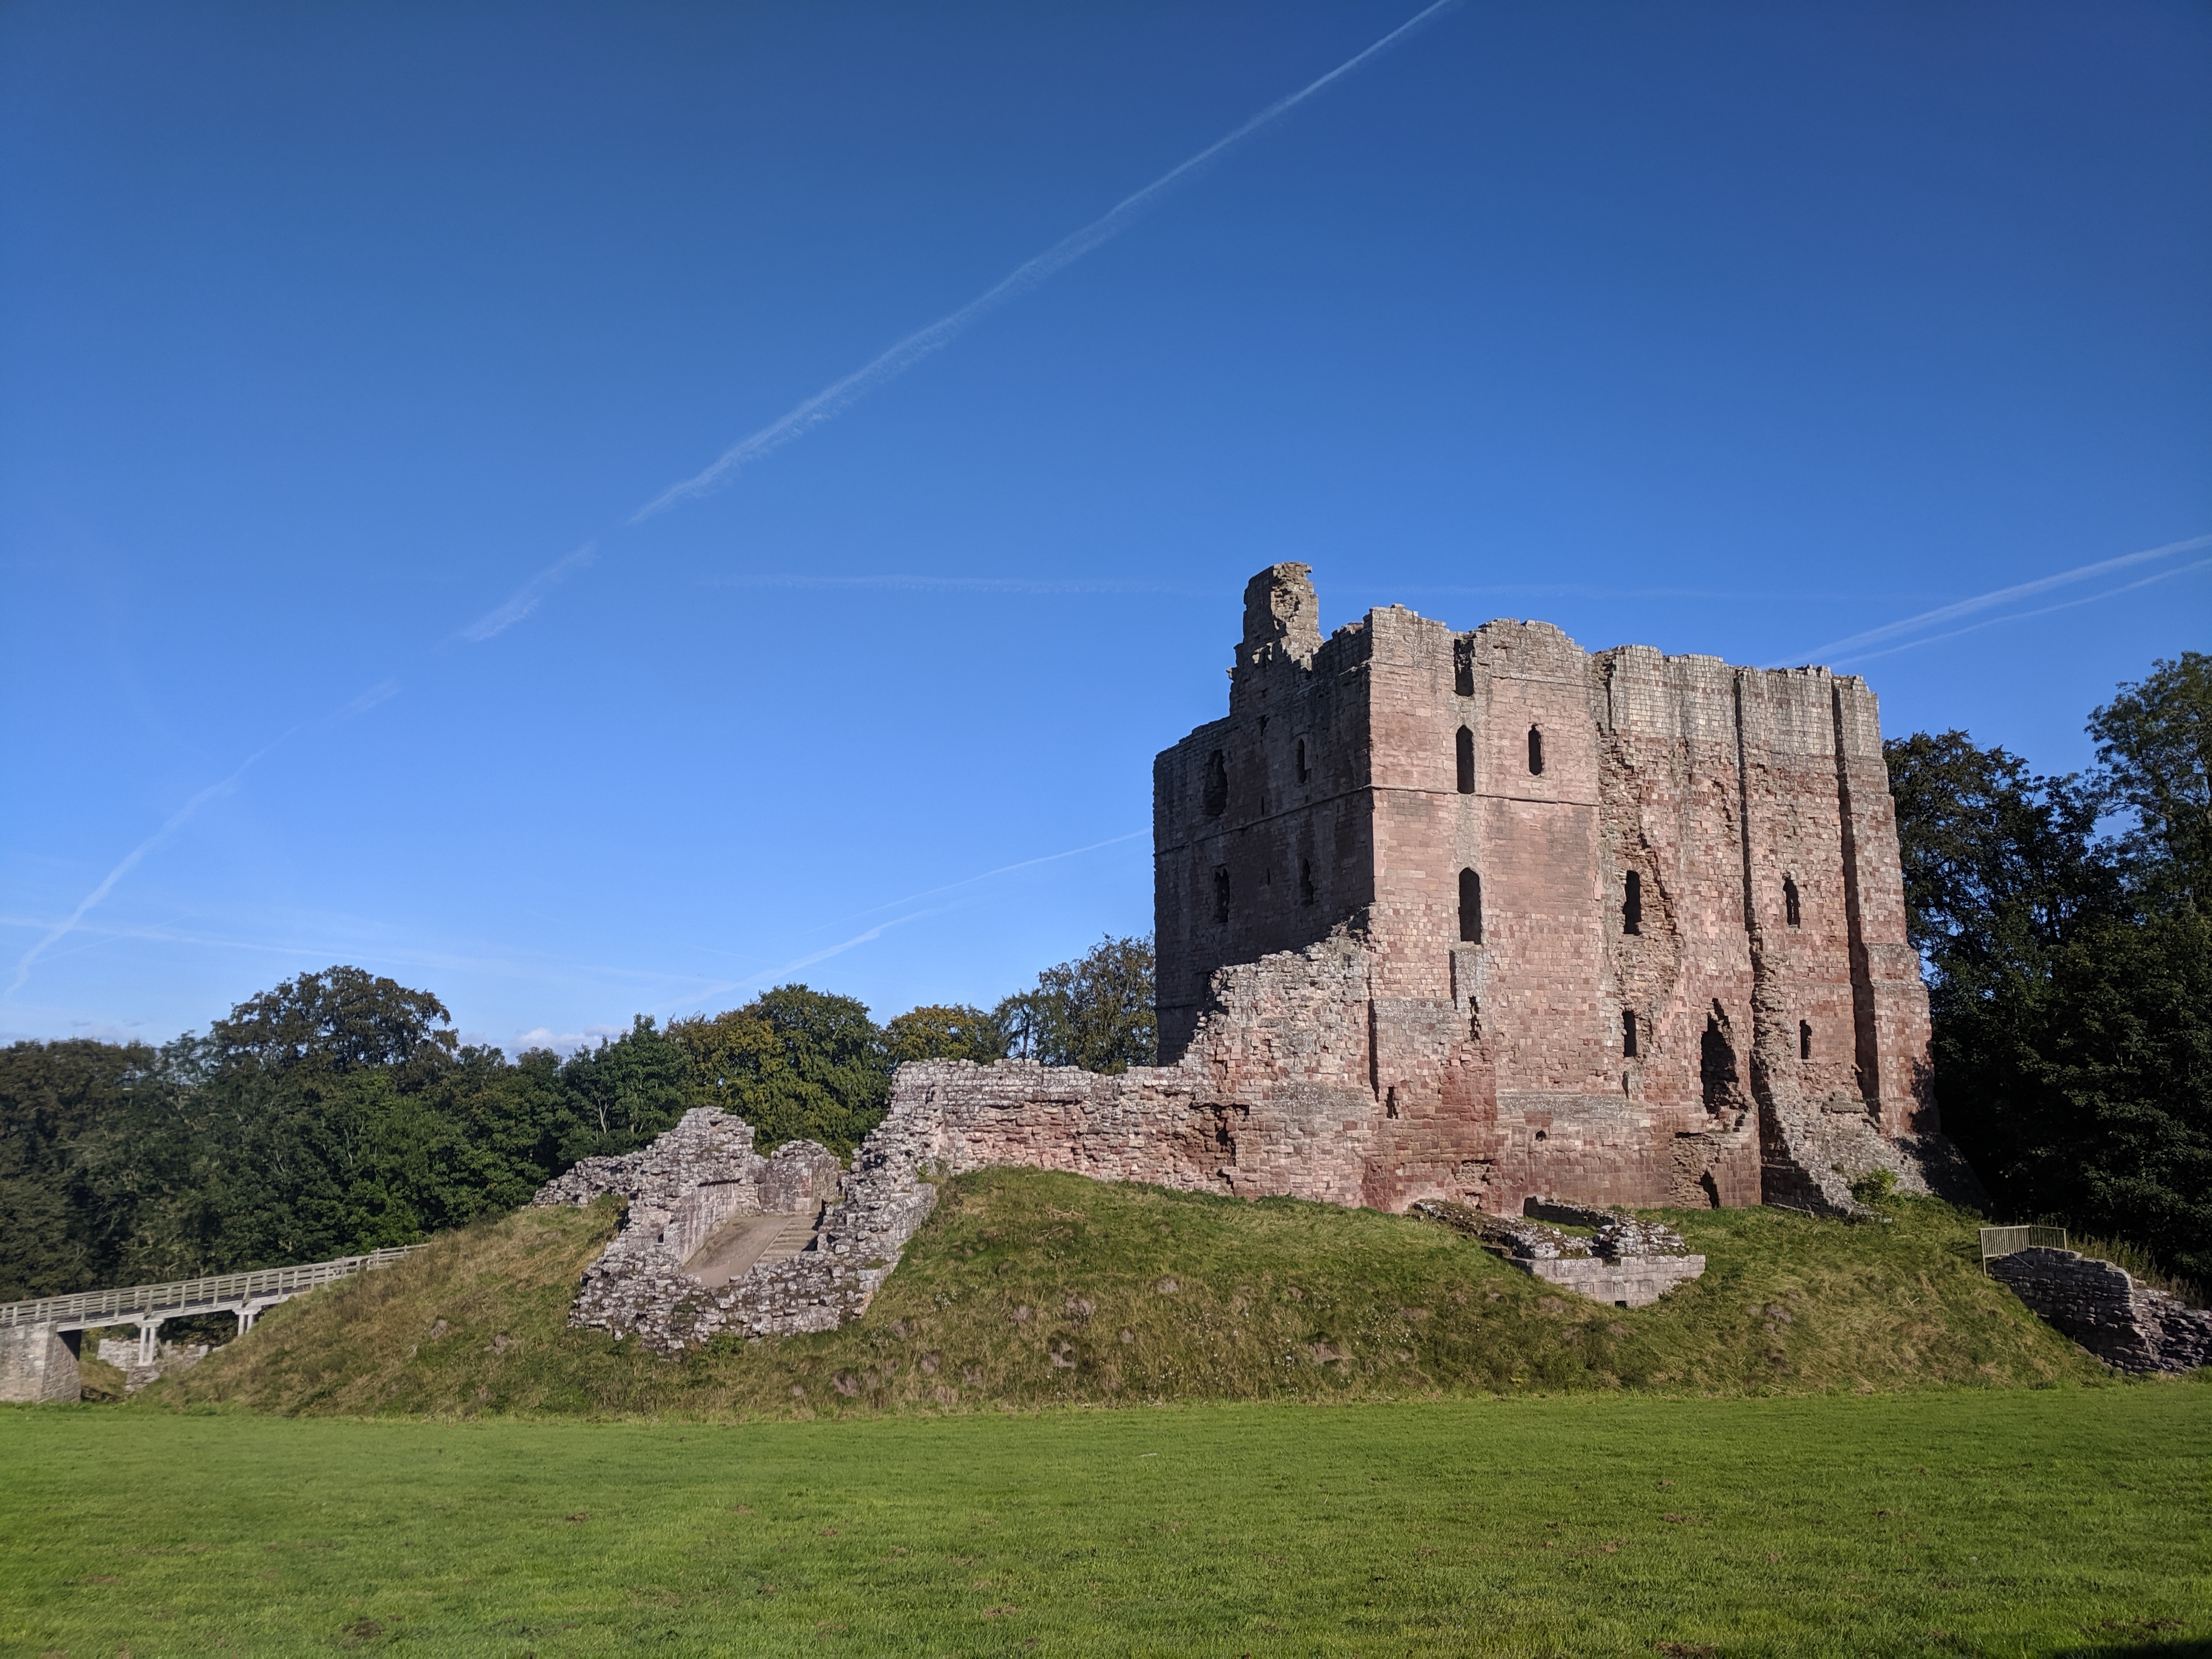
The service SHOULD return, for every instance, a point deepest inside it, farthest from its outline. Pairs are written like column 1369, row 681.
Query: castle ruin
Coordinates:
column 1481, row 916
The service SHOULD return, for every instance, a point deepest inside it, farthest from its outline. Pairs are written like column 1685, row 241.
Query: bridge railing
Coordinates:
column 217, row 1291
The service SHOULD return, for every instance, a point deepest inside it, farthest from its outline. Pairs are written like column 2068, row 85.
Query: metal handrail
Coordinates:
column 2009, row 1241
column 218, row 1290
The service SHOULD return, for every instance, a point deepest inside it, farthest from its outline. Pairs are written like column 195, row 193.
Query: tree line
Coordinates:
column 2064, row 925
column 339, row 1112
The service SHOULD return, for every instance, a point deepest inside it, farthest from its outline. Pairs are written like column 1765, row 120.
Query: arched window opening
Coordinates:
column 1632, row 905
column 1217, row 784
column 1302, row 760
column 1804, row 1039
column 1790, row 901
column 1628, row 1033
column 1221, row 893
column 1465, row 747
column 1470, row 908
column 1305, row 881
column 1535, row 752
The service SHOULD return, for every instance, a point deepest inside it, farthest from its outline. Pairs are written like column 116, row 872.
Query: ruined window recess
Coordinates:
column 1790, row 901
column 1463, row 669
column 1470, row 908
column 1628, row 1033
column 1466, row 748
column 1221, row 893
column 1305, row 881
column 1302, row 760
column 1535, row 752
column 1804, row 1040
column 1217, row 784
column 1632, row 905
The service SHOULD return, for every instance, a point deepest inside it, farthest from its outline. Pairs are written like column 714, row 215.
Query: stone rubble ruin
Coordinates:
column 2130, row 1327
column 1461, row 918
column 1625, row 1261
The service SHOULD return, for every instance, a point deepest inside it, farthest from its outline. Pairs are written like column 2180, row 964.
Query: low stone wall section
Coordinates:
column 704, row 1174
column 2130, row 1327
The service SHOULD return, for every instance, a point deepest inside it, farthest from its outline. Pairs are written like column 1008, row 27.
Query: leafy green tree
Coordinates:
column 626, row 1092
column 946, row 1031
column 2070, row 974
column 1095, row 1012
column 64, row 1108
column 2154, row 754
column 796, row 1064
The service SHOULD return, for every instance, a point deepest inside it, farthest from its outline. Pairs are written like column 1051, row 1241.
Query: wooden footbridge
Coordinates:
column 38, row 1340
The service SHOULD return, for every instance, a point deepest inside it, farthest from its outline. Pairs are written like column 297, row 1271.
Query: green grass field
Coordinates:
column 2060, row 1519
column 1030, row 1289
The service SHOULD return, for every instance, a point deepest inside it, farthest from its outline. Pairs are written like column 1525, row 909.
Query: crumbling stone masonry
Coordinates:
column 1629, row 1263
column 716, row 1237
column 2129, row 1326
column 1481, row 916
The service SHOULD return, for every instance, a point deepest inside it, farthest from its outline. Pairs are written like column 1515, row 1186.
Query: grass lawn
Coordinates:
column 1958, row 1520
column 1032, row 1289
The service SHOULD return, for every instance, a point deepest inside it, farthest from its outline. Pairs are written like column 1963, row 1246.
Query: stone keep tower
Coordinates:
column 1631, row 926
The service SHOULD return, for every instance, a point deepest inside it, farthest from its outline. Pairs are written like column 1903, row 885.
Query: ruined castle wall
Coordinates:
column 1270, row 1100
column 1671, row 816
column 1890, row 1000
column 1261, row 832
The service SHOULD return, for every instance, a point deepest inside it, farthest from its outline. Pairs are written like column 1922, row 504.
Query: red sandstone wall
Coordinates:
column 1497, row 1069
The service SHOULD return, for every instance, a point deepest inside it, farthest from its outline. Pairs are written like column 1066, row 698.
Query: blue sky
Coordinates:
column 332, row 338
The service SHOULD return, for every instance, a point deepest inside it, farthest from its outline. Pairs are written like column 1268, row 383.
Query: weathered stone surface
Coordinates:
column 2129, row 1326
column 702, row 1176
column 37, row 1363
column 1361, row 789
column 1630, row 1263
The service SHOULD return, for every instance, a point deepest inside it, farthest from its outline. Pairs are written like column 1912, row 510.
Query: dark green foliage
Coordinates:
column 941, row 1032
column 796, row 1064
column 1095, row 1012
column 626, row 1092
column 66, row 1112
column 2070, row 972
column 2155, row 757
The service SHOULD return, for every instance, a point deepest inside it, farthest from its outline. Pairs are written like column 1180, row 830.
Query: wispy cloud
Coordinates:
column 176, row 820
column 1989, row 601
column 528, row 597
column 840, row 395
column 382, row 692
column 2022, row 616
column 951, row 584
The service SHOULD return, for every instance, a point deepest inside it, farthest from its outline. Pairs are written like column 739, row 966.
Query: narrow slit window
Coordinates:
column 1305, row 881
column 1302, row 760
column 1217, row 784
column 1465, row 744
column 1628, row 1033
column 1535, row 752
column 1804, row 1039
column 1221, row 893
column 1470, row 908
column 1789, row 901
column 1632, row 904
column 1463, row 669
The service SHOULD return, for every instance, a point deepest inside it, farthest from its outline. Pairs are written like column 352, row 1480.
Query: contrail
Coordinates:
column 2022, row 616
column 131, row 860
column 835, row 398
column 1985, row 601
column 529, row 596
column 950, row 583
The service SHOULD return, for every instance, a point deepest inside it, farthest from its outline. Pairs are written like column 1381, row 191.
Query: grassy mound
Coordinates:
column 1029, row 1289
